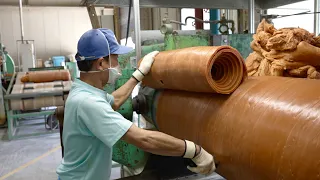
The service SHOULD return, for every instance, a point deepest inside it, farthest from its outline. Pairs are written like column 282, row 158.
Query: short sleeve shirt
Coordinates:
column 91, row 127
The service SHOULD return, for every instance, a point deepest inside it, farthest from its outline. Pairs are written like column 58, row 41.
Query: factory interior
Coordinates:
column 240, row 78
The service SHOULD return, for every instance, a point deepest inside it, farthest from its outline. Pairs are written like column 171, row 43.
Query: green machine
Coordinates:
column 8, row 68
column 127, row 154
column 124, row 153
column 6, row 71
column 166, row 39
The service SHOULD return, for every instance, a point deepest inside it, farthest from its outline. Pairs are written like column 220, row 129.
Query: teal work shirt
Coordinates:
column 91, row 127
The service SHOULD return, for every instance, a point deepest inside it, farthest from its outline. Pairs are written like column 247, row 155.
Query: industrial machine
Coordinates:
column 7, row 69
column 134, row 160
column 26, row 109
column 32, row 104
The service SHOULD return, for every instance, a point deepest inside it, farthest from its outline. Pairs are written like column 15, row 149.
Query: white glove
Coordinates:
column 145, row 66
column 204, row 161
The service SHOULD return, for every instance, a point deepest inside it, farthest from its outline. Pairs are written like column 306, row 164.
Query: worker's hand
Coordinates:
column 147, row 62
column 145, row 66
column 204, row 163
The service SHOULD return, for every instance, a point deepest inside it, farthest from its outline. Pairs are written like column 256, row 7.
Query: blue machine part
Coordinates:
column 214, row 15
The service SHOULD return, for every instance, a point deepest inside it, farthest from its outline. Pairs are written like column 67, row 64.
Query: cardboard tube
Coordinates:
column 268, row 129
column 217, row 69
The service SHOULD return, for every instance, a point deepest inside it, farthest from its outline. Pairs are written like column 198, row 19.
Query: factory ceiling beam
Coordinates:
column 225, row 4
column 83, row 2
column 93, row 16
column 266, row 4
column 60, row 3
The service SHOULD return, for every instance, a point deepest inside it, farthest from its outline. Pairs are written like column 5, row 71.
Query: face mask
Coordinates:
column 114, row 74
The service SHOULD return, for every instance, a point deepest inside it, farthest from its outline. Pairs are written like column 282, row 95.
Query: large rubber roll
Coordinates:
column 46, row 76
column 217, row 69
column 268, row 129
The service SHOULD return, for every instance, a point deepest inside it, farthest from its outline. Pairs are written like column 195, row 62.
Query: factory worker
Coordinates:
column 91, row 124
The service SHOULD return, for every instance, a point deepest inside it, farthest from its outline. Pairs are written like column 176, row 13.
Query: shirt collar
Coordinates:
column 88, row 87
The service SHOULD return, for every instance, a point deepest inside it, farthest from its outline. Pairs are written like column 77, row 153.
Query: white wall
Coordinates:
column 55, row 30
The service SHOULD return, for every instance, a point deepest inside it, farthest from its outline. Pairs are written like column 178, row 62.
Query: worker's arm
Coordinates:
column 123, row 93
column 155, row 142
column 162, row 144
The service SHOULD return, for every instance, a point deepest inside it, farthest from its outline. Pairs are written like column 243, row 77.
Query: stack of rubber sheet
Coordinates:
column 34, row 88
column 268, row 128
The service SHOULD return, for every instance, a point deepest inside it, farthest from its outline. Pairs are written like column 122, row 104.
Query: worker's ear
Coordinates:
column 99, row 64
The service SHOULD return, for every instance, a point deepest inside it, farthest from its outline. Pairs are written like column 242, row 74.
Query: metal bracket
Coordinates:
column 93, row 16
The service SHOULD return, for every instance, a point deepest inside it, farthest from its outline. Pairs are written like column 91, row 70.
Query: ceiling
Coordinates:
column 216, row 4
column 42, row 2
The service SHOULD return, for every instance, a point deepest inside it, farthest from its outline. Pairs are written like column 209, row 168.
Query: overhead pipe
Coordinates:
column 21, row 20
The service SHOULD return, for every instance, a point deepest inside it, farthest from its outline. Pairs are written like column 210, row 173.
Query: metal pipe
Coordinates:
column 214, row 15
column 316, row 17
column 226, row 13
column 199, row 14
column 136, row 10
column 251, row 16
column 21, row 20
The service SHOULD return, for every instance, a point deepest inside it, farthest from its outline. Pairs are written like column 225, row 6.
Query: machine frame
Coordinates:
column 13, row 116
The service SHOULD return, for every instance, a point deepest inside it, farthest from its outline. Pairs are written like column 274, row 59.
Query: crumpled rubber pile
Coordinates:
column 289, row 52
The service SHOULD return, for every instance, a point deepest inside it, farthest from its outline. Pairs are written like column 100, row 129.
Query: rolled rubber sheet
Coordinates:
column 267, row 129
column 46, row 76
column 219, row 69
column 38, row 102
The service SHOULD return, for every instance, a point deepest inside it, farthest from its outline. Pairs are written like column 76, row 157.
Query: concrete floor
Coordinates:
column 37, row 157
column 34, row 158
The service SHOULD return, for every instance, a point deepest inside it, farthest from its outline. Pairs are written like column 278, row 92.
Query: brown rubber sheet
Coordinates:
column 39, row 102
column 218, row 69
column 268, row 129
column 46, row 76
column 288, row 52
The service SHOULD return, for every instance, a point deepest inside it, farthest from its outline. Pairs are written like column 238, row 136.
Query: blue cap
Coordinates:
column 94, row 43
